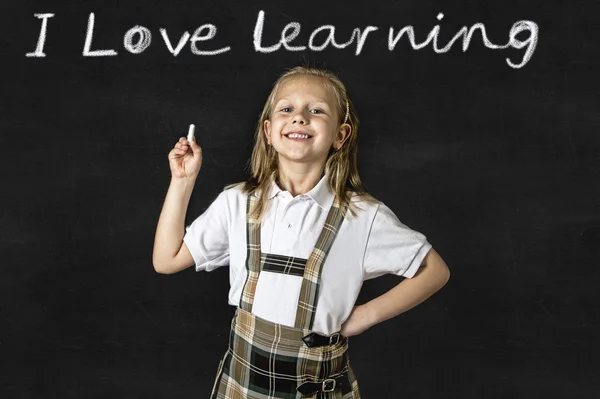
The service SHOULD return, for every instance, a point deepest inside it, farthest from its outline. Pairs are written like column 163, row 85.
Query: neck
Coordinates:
column 299, row 180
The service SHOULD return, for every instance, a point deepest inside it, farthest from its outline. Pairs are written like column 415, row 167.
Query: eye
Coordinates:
column 314, row 110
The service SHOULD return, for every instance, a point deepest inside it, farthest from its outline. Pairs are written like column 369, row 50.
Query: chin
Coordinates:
column 303, row 158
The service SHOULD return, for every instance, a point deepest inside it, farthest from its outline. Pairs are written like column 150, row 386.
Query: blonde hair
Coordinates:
column 340, row 166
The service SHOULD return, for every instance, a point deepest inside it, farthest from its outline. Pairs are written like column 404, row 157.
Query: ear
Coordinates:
column 267, row 129
column 343, row 134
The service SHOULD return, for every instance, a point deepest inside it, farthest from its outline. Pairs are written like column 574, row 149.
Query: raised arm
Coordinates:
column 170, row 254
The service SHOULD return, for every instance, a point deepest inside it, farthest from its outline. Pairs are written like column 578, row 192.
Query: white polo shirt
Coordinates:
column 369, row 245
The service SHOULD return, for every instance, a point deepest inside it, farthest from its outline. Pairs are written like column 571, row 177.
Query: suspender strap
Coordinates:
column 311, row 281
column 253, row 256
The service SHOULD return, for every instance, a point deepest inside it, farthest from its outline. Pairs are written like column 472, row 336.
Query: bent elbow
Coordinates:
column 446, row 276
column 158, row 269
column 161, row 267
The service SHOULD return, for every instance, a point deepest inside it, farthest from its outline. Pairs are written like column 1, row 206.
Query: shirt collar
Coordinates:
column 321, row 193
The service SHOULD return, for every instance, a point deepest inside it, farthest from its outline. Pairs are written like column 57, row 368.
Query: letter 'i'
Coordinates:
column 39, row 50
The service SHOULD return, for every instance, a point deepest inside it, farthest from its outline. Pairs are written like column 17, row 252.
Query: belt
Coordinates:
column 330, row 384
column 313, row 339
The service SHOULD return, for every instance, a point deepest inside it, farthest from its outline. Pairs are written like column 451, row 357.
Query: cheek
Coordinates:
column 331, row 130
column 278, row 125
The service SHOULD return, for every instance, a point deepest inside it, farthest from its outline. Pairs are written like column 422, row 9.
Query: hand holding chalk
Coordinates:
column 185, row 159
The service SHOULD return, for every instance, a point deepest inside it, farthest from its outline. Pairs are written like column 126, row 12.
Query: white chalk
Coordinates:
column 190, row 136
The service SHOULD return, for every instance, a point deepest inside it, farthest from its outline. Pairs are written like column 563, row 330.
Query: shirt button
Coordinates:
column 289, row 225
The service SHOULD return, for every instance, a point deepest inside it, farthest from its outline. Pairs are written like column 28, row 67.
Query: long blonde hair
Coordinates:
column 340, row 166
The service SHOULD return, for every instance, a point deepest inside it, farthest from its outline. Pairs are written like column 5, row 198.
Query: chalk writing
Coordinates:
column 292, row 30
column 137, row 39
column 143, row 36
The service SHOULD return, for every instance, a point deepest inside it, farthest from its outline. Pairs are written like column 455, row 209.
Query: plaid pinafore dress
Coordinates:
column 267, row 360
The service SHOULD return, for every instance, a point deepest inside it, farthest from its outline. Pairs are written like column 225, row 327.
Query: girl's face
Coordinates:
column 305, row 107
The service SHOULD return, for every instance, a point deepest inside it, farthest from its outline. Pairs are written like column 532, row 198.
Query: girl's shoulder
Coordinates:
column 234, row 192
column 242, row 188
column 364, row 204
column 234, row 187
column 364, row 198
column 237, row 193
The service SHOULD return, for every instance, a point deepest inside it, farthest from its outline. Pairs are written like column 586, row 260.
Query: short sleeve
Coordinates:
column 392, row 247
column 207, row 237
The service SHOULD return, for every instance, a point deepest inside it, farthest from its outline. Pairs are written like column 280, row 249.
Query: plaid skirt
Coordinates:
column 267, row 360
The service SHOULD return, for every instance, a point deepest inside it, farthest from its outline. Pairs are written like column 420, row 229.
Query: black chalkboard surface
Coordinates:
column 489, row 145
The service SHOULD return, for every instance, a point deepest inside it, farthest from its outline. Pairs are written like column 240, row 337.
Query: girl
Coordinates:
column 300, row 237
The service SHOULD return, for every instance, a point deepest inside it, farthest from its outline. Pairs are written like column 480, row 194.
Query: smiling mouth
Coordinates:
column 297, row 136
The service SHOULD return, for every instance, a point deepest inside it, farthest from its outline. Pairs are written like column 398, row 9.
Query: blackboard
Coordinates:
column 491, row 149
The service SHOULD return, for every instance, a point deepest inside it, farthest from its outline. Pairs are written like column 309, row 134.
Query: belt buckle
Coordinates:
column 334, row 339
column 329, row 382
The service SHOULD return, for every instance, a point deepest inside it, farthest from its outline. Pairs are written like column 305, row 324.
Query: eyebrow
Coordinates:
column 312, row 102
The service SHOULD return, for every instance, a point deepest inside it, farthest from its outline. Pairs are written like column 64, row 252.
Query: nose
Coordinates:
column 298, row 117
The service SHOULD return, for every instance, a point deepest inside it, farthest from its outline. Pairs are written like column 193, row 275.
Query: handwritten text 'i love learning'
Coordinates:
column 137, row 39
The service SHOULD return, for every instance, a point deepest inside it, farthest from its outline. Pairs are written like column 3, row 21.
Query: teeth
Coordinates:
column 298, row 136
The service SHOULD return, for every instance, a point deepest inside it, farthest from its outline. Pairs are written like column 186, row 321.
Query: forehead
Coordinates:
column 311, row 88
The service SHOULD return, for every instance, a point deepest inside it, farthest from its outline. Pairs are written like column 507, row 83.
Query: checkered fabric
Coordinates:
column 268, row 360
column 309, row 293
column 253, row 256
column 283, row 264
